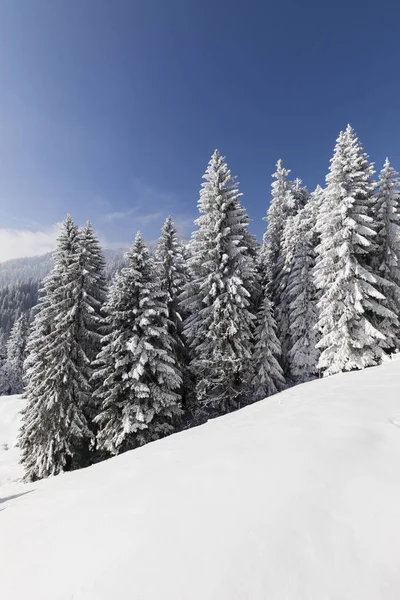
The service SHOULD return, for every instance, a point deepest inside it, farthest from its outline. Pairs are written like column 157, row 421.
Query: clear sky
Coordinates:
column 110, row 109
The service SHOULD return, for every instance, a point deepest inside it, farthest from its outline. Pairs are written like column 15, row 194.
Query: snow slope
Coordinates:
column 10, row 470
column 294, row 498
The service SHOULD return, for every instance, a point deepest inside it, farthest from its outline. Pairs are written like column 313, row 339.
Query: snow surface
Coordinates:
column 10, row 470
column 294, row 498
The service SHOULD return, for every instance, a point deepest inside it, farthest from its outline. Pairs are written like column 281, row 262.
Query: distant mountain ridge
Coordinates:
column 20, row 280
column 35, row 268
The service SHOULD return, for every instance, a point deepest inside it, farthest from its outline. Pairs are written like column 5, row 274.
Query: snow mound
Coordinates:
column 10, row 470
column 294, row 498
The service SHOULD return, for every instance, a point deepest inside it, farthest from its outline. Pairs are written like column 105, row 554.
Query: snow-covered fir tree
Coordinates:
column 137, row 378
column 94, row 291
column 349, row 297
column 314, row 206
column 281, row 292
column 300, row 194
column 11, row 375
column 302, row 297
column 276, row 252
column 173, row 273
column 386, row 255
column 268, row 378
column 219, row 328
column 55, row 434
column 3, row 347
column 283, row 205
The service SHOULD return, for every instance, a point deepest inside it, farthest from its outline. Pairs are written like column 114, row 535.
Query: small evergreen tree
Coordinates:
column 348, row 287
column 268, row 378
column 386, row 255
column 12, row 374
column 138, row 381
column 219, row 329
column 55, row 433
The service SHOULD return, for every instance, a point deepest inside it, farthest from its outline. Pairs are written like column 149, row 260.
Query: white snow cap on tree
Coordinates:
column 219, row 328
column 138, row 381
column 349, row 296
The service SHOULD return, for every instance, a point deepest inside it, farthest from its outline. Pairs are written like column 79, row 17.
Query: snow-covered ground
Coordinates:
column 294, row 498
column 10, row 470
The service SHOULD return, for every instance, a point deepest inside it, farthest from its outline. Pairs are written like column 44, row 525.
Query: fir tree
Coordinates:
column 277, row 250
column 3, row 347
column 300, row 194
column 280, row 286
column 283, row 205
column 386, row 255
column 55, row 434
column 94, row 291
column 220, row 326
column 173, row 273
column 268, row 378
column 348, row 287
column 16, row 354
column 302, row 297
column 138, row 381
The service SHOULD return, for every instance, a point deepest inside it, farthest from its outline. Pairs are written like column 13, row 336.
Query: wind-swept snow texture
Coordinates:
column 296, row 497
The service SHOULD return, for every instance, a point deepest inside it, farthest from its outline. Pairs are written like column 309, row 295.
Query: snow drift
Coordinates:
column 294, row 498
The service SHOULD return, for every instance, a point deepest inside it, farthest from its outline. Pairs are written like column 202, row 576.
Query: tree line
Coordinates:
column 200, row 329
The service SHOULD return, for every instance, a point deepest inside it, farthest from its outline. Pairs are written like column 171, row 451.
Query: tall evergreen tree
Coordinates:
column 348, row 287
column 268, row 375
column 302, row 297
column 281, row 289
column 173, row 273
column 94, row 291
column 138, row 381
column 55, row 434
column 386, row 255
column 277, row 249
column 283, row 205
column 219, row 329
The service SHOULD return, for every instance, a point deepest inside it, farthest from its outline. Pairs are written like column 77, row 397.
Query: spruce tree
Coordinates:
column 277, row 250
column 386, row 254
column 268, row 378
column 219, row 329
column 300, row 194
column 55, row 434
column 302, row 297
column 94, row 291
column 283, row 205
column 349, row 296
column 173, row 273
column 16, row 354
column 137, row 379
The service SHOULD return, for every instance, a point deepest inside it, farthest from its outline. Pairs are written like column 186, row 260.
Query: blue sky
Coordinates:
column 110, row 109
